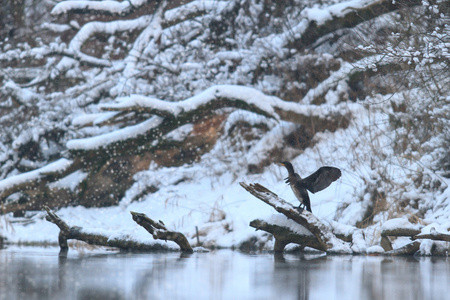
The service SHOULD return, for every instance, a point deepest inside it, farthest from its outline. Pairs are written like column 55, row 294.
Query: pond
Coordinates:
column 40, row 273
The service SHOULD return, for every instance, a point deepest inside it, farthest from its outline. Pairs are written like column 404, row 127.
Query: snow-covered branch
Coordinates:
column 222, row 96
column 108, row 7
column 189, row 110
column 346, row 14
column 326, row 240
column 28, row 180
column 433, row 235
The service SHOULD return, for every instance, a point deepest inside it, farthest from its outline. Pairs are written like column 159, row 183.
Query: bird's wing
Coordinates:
column 321, row 179
column 297, row 179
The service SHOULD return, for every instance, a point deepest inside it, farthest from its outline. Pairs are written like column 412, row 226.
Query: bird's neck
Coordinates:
column 290, row 169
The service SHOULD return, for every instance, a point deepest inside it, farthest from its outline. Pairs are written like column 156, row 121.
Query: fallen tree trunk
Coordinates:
column 78, row 233
column 326, row 240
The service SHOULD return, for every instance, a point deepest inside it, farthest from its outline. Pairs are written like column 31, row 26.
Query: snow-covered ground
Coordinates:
column 387, row 161
column 207, row 195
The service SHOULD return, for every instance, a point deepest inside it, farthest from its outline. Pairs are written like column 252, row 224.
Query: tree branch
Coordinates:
column 36, row 178
column 349, row 19
column 326, row 240
column 433, row 235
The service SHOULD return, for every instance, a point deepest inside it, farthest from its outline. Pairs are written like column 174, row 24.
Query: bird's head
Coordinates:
column 287, row 165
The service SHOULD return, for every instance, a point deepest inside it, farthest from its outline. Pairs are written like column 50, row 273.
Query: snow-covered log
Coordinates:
column 397, row 227
column 159, row 231
column 408, row 249
column 326, row 240
column 433, row 235
column 284, row 235
column 100, row 239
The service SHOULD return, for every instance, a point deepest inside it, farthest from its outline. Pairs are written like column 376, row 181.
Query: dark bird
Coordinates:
column 315, row 182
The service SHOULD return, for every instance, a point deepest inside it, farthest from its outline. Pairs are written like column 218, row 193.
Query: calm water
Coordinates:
column 39, row 273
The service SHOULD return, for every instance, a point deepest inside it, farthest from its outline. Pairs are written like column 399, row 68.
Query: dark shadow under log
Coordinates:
column 78, row 233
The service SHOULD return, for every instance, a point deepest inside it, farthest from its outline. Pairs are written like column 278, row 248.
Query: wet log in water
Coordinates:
column 78, row 233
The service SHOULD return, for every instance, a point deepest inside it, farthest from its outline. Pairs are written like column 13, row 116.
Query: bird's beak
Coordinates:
column 280, row 164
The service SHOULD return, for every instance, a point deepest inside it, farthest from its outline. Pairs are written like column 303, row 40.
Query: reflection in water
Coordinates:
column 40, row 273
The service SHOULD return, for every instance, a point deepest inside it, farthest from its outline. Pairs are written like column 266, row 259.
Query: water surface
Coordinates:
column 40, row 273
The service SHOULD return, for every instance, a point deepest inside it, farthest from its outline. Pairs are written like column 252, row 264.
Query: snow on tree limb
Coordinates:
column 152, row 25
column 192, row 9
column 16, row 183
column 433, row 235
column 326, row 240
column 343, row 73
column 346, row 14
column 214, row 98
column 92, row 28
column 101, row 141
column 221, row 96
column 106, row 7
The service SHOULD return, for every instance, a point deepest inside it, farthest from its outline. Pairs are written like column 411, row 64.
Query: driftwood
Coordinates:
column 78, row 233
column 159, row 231
column 325, row 239
column 284, row 236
